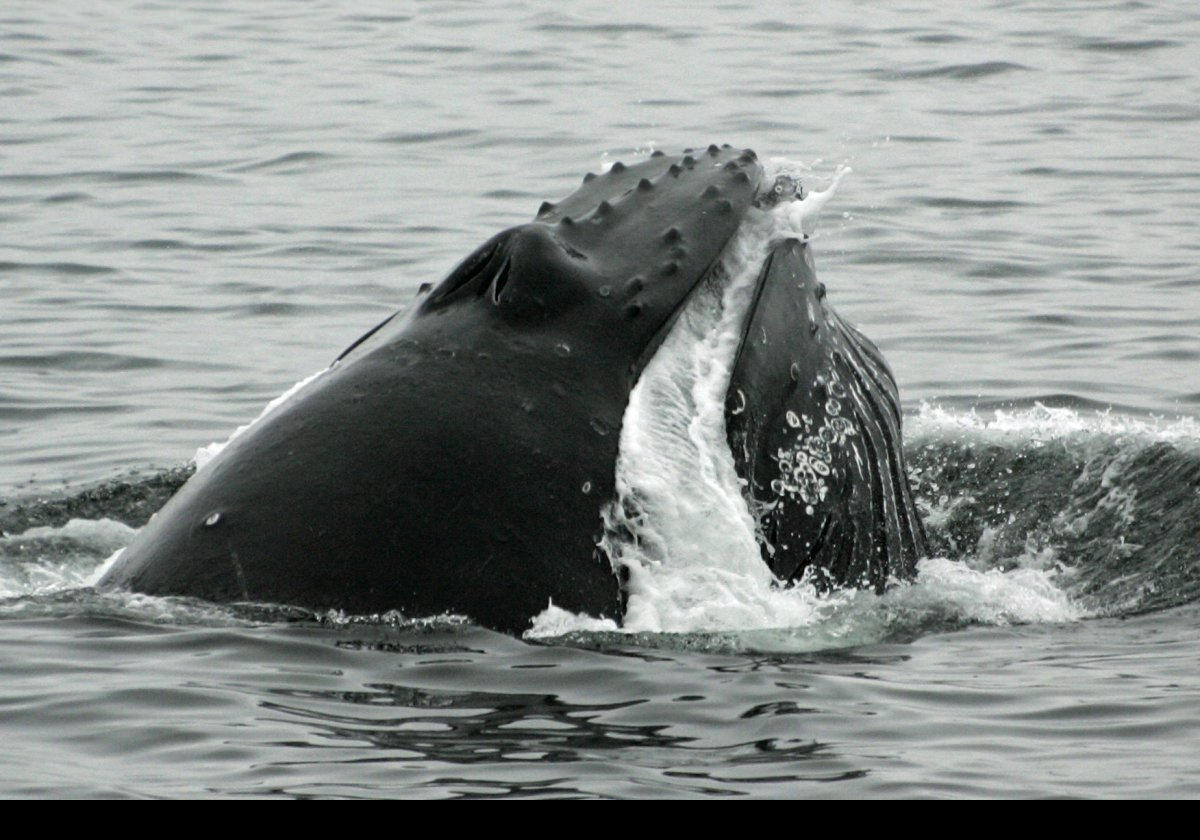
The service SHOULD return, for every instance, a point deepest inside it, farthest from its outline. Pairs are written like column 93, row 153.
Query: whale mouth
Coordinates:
column 680, row 531
column 781, row 209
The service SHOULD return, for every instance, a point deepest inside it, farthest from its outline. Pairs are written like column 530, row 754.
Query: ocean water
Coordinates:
column 202, row 204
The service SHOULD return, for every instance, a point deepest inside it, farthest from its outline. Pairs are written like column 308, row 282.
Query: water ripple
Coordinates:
column 978, row 70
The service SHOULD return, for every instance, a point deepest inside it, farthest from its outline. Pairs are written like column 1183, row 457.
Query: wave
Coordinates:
column 1110, row 502
column 977, row 70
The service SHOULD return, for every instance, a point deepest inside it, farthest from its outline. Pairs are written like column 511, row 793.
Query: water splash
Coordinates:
column 48, row 558
column 946, row 595
column 1037, row 423
column 680, row 528
column 1107, row 504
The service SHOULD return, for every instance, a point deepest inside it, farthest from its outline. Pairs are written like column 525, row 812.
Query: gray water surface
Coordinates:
column 201, row 204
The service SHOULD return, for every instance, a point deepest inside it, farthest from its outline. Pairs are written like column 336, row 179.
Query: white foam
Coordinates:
column 88, row 532
column 555, row 621
column 49, row 558
column 1023, row 595
column 797, row 618
column 1043, row 423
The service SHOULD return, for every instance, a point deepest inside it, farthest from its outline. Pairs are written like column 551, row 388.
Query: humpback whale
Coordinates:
column 457, row 457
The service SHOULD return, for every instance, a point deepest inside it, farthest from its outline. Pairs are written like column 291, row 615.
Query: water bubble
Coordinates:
column 586, row 488
column 562, row 349
column 832, row 406
column 817, row 448
column 213, row 519
column 793, row 419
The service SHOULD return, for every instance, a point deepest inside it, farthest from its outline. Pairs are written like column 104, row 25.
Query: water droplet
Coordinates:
column 793, row 419
column 213, row 519
column 562, row 349
column 587, row 487
column 605, row 291
column 832, row 406
column 599, row 426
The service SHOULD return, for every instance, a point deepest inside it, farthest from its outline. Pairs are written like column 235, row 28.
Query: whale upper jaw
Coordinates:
column 617, row 258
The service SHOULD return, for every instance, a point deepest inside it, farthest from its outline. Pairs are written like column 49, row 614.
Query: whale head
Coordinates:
column 456, row 458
